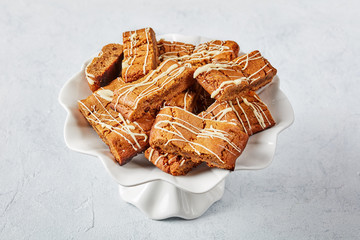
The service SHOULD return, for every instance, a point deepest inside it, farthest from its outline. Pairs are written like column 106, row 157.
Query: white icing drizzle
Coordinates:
column 209, row 50
column 132, row 52
column 105, row 94
column 103, row 124
column 229, row 67
column 260, row 108
column 210, row 110
column 172, row 160
column 197, row 116
column 89, row 77
column 185, row 97
column 245, row 58
column 161, row 156
column 258, row 115
column 208, row 132
column 125, row 64
column 90, row 80
column 150, row 85
column 151, row 153
column 182, row 162
column 222, row 113
column 211, row 66
column 216, row 133
column 239, row 116
column 181, row 51
column 107, row 118
column 236, row 107
column 227, row 150
column 257, row 110
column 131, row 63
column 191, row 144
column 247, row 62
column 230, row 82
column 133, row 41
column 254, row 79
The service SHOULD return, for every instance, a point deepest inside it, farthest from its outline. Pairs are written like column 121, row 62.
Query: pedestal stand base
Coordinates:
column 160, row 200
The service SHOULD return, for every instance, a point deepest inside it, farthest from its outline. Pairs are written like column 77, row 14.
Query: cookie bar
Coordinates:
column 221, row 111
column 174, row 50
column 124, row 139
column 218, row 143
column 226, row 81
column 140, row 54
column 105, row 67
column 173, row 164
column 249, row 111
column 133, row 100
column 256, row 69
column 252, row 113
column 213, row 51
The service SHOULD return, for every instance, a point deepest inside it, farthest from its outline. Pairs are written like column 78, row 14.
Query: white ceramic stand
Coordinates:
column 160, row 200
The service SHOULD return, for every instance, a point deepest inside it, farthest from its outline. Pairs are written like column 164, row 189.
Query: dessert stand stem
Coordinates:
column 161, row 200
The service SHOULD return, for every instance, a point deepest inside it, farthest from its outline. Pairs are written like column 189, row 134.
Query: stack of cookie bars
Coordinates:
column 181, row 104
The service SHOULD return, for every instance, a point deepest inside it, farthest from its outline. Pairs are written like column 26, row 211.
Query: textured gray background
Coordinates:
column 312, row 188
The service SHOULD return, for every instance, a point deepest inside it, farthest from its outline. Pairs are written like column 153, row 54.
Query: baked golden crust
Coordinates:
column 220, row 111
column 148, row 94
column 177, row 51
column 173, row 164
column 252, row 113
column 213, row 51
column 105, row 67
column 249, row 111
column 218, row 143
column 140, row 54
column 256, row 69
column 226, row 81
column 125, row 139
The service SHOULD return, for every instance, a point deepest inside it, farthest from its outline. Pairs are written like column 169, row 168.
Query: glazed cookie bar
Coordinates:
column 174, row 50
column 133, row 100
column 213, row 51
column 173, row 164
column 249, row 111
column 140, row 54
column 105, row 67
column 256, row 69
column 252, row 113
column 218, row 143
column 221, row 111
column 226, row 81
column 124, row 139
